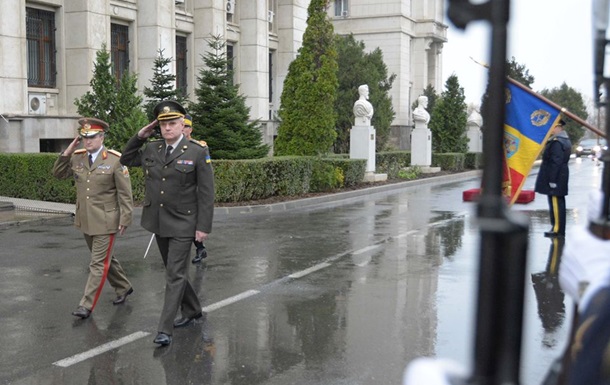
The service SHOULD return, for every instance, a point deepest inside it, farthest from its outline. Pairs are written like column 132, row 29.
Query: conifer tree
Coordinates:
column 569, row 98
column 220, row 114
column 163, row 86
column 307, row 110
column 448, row 119
column 114, row 101
column 356, row 67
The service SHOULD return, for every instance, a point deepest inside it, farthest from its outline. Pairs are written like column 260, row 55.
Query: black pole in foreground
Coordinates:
column 503, row 248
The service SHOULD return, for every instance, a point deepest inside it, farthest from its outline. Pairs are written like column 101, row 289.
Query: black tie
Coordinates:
column 168, row 152
column 90, row 160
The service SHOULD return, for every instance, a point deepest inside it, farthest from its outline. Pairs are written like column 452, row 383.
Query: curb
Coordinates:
column 51, row 211
column 341, row 198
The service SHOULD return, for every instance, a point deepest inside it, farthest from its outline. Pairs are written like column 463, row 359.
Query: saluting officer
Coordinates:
column 200, row 251
column 104, row 206
column 178, row 206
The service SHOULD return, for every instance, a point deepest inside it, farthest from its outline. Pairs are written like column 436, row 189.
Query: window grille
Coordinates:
column 40, row 26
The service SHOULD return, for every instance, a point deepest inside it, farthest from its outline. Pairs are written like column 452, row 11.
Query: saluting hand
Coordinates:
column 147, row 130
column 72, row 147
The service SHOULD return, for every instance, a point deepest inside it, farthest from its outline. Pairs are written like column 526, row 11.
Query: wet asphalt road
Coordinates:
column 340, row 295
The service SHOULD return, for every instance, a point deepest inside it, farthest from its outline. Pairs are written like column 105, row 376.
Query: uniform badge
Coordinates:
column 208, row 159
column 185, row 161
column 125, row 171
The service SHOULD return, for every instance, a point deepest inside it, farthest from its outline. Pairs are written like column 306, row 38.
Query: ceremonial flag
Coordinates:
column 527, row 126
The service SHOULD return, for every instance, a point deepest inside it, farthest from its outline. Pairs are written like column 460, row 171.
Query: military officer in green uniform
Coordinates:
column 178, row 206
column 104, row 207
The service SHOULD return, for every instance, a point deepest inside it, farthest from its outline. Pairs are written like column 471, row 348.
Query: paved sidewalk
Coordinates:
column 27, row 211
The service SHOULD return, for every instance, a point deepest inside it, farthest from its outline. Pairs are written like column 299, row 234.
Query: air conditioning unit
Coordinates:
column 270, row 15
column 344, row 14
column 37, row 104
column 231, row 7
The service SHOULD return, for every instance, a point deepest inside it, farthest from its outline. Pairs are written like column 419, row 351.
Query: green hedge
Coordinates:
column 29, row 176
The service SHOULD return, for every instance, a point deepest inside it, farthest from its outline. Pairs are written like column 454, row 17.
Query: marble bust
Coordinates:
column 363, row 109
column 419, row 113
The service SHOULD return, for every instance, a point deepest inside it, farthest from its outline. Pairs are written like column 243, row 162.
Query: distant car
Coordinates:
column 591, row 146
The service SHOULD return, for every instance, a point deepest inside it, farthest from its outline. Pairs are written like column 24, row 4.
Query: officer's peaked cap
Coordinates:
column 89, row 127
column 169, row 110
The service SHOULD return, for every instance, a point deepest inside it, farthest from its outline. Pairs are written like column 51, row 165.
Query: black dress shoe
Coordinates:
column 183, row 321
column 81, row 312
column 163, row 339
column 201, row 255
column 121, row 298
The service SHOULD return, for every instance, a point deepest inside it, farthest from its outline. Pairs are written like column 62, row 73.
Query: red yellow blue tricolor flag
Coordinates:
column 527, row 126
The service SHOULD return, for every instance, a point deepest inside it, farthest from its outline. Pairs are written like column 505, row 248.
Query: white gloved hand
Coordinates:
column 552, row 185
column 432, row 371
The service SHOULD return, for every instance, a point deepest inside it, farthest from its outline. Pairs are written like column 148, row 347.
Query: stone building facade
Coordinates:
column 49, row 47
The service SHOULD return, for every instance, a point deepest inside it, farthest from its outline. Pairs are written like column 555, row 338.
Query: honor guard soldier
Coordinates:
column 178, row 206
column 200, row 251
column 104, row 207
column 553, row 178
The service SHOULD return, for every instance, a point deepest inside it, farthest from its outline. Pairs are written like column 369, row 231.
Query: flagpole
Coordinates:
column 563, row 110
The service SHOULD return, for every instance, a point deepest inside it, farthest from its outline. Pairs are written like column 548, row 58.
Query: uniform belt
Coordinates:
column 600, row 231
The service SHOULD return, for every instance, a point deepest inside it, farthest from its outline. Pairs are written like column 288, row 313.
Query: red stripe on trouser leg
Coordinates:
column 105, row 273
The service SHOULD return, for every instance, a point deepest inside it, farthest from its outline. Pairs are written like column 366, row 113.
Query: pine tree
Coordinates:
column 220, row 115
column 163, row 86
column 356, row 67
column 573, row 101
column 448, row 119
column 307, row 110
column 115, row 102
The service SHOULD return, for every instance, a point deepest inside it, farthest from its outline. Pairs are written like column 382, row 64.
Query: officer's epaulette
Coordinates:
column 80, row 151
column 114, row 152
column 202, row 143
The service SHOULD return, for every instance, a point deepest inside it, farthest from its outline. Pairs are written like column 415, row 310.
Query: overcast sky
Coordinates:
column 552, row 38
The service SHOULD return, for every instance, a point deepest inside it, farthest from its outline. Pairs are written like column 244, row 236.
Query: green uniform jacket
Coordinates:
column 103, row 191
column 179, row 190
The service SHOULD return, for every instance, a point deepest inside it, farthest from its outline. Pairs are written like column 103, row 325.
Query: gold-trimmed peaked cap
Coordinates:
column 89, row 127
column 169, row 110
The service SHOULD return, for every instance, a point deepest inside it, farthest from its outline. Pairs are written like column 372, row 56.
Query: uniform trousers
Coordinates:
column 103, row 262
column 179, row 292
column 557, row 209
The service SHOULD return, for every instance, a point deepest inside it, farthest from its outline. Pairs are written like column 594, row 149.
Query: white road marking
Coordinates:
column 230, row 300
column 310, row 270
column 365, row 249
column 66, row 362
column 100, row 349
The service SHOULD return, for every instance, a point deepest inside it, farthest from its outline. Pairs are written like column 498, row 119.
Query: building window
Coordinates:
column 119, row 49
column 230, row 58
column 181, row 66
column 271, row 77
column 341, row 8
column 40, row 27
